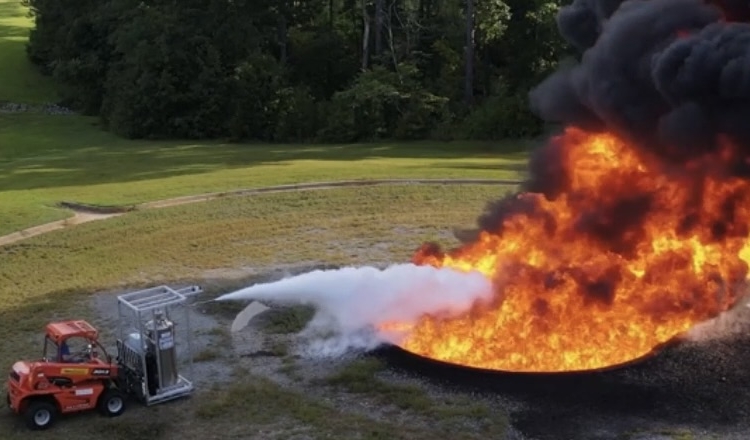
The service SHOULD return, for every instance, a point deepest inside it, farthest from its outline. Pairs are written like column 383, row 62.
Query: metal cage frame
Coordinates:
column 144, row 305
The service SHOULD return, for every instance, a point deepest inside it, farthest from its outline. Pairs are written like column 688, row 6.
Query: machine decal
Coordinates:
column 74, row 371
column 85, row 392
column 100, row 372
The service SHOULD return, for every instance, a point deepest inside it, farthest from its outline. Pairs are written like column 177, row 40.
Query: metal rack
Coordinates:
column 147, row 341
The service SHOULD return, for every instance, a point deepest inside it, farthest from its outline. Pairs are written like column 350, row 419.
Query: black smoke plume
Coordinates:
column 670, row 76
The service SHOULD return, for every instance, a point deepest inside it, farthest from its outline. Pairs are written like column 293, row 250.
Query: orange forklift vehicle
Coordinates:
column 64, row 382
column 77, row 374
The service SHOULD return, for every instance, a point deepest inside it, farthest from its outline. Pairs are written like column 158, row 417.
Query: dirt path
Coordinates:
column 85, row 214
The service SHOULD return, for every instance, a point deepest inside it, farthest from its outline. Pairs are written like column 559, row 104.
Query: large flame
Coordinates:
column 625, row 257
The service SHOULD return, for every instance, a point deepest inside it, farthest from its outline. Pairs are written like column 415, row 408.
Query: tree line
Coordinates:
column 299, row 70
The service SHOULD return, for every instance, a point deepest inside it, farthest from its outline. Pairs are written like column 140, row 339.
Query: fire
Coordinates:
column 626, row 256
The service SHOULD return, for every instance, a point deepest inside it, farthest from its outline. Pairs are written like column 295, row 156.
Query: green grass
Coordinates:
column 337, row 226
column 262, row 404
column 48, row 159
column 20, row 82
column 288, row 320
column 51, row 273
column 207, row 355
column 360, row 377
column 51, row 276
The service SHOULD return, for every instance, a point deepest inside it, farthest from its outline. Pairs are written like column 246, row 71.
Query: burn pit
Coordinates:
column 695, row 387
column 634, row 225
column 570, row 297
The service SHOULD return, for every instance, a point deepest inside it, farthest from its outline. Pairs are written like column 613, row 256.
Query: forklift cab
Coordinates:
column 72, row 342
column 74, row 349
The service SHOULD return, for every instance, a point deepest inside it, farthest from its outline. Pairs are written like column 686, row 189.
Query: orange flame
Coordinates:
column 574, row 289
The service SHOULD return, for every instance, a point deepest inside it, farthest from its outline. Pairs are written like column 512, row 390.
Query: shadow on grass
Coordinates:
column 699, row 384
column 53, row 151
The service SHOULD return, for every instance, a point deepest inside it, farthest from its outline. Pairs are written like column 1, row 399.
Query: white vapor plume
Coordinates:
column 351, row 301
column 729, row 324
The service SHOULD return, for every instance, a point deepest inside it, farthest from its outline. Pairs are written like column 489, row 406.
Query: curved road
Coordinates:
column 85, row 214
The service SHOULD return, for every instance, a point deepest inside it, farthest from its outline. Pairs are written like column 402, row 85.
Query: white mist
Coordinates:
column 351, row 301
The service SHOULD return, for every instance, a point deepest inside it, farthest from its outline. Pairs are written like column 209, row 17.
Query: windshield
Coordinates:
column 73, row 349
column 50, row 349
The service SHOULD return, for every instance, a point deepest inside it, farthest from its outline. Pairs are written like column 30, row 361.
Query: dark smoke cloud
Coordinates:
column 669, row 75
column 734, row 10
column 580, row 23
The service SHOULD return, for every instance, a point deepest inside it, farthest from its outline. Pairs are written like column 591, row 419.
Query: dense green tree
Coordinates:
column 289, row 70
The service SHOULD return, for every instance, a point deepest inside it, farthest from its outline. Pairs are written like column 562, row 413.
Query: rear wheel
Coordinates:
column 112, row 403
column 40, row 415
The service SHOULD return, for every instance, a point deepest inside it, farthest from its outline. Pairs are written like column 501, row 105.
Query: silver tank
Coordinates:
column 161, row 342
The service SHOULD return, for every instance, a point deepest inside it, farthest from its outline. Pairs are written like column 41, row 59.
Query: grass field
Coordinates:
column 52, row 276
column 48, row 159
column 331, row 226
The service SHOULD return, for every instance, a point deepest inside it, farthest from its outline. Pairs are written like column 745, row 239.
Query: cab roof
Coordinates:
column 58, row 331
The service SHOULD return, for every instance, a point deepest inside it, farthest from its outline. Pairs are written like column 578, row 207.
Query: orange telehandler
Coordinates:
column 77, row 374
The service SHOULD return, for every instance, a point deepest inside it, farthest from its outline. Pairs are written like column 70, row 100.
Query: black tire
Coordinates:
column 111, row 403
column 40, row 415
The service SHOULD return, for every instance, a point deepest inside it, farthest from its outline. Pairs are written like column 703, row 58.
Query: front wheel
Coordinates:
column 40, row 415
column 112, row 403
